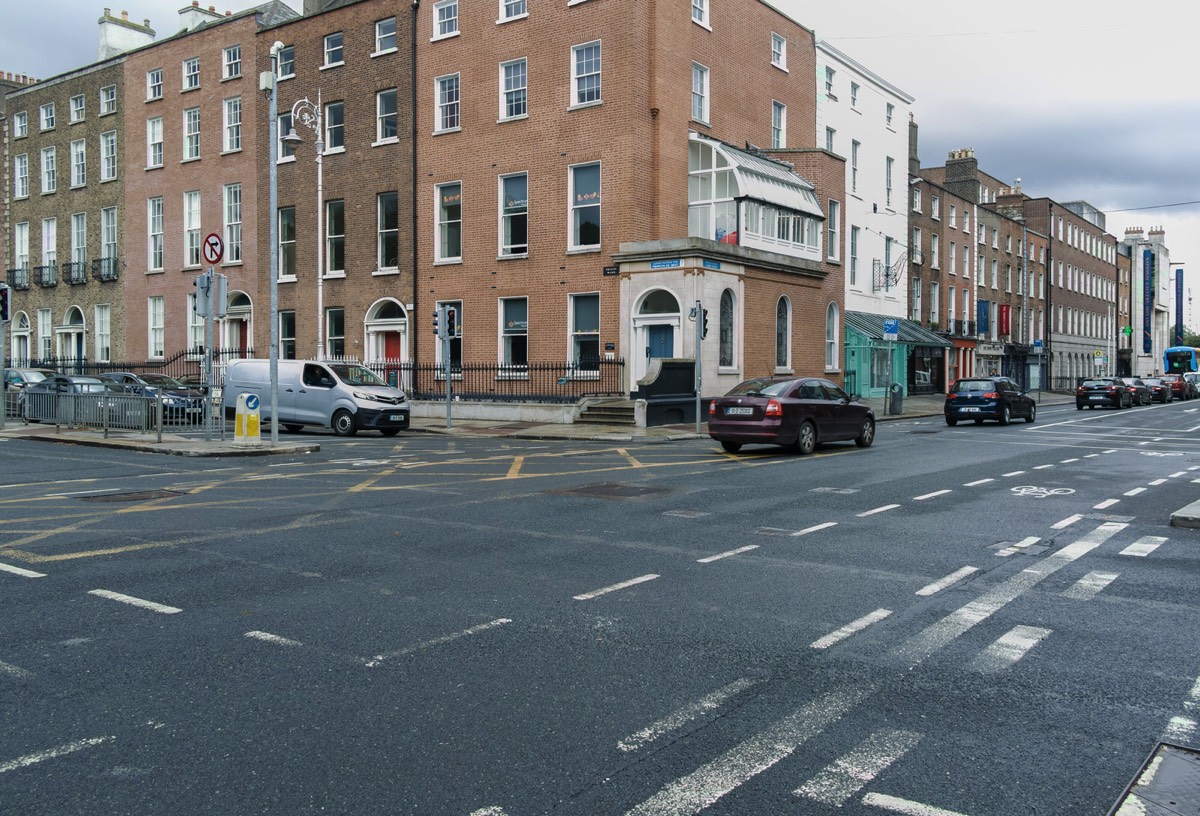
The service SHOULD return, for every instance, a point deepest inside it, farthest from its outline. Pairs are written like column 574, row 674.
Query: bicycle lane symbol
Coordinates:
column 1041, row 492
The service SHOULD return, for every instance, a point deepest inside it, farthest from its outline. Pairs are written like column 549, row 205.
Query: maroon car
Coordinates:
column 796, row 412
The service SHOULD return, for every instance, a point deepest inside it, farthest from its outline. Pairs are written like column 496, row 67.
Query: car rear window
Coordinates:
column 1097, row 383
column 974, row 385
column 770, row 388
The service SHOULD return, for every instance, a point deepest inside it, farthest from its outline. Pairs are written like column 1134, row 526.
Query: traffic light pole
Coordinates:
column 699, row 378
column 5, row 293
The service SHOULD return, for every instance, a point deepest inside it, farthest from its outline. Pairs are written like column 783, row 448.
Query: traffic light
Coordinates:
column 704, row 325
column 451, row 321
column 437, row 322
column 4, row 290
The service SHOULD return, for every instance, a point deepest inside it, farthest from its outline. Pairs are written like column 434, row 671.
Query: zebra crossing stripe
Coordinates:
column 904, row 806
column 1009, row 648
column 850, row 774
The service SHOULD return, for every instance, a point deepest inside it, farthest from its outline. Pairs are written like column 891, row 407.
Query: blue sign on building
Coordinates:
column 665, row 264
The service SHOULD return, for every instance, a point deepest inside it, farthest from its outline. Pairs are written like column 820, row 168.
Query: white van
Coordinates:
column 343, row 396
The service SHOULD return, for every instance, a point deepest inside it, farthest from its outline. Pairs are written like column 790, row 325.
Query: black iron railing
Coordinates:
column 75, row 272
column 554, row 382
column 105, row 269
column 19, row 278
column 46, row 275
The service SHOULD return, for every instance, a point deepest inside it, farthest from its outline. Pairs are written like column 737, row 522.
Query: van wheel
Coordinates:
column 343, row 423
column 290, row 428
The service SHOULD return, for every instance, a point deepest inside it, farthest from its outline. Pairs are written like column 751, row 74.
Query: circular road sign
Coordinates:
column 214, row 248
column 252, row 402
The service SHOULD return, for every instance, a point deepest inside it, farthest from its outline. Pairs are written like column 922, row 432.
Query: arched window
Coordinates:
column 831, row 335
column 726, row 351
column 782, row 333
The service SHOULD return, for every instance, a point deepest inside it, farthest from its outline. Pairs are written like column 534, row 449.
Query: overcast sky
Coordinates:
column 1093, row 100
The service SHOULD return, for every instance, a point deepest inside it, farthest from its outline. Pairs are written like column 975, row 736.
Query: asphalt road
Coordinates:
column 977, row 621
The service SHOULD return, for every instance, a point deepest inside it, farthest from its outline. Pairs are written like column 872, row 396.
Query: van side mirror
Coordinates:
column 325, row 382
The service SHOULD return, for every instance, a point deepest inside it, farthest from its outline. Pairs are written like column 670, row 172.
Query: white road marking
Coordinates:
column 1178, row 474
column 132, row 601
column 1068, row 461
column 489, row 811
column 1144, row 546
column 727, row 554
column 596, row 593
column 680, row 718
column 937, row 635
column 1105, row 504
column 276, row 639
column 1008, row 648
column 1013, row 473
column 1028, row 541
column 850, row 628
column 1091, row 455
column 1067, row 522
column 51, row 753
column 1194, row 467
column 1180, row 730
column 1043, row 467
column 22, row 572
column 851, row 773
column 882, row 509
column 1089, row 585
column 954, row 577
column 15, row 671
column 931, row 495
column 474, row 630
column 814, row 528
column 1157, row 482
column 1135, row 491
column 81, row 493
column 691, row 794
column 1110, row 450
column 978, row 482
column 905, row 806
column 1193, row 429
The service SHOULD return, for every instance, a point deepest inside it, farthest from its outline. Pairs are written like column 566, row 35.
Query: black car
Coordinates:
column 1159, row 390
column 1138, row 390
column 1100, row 391
column 85, row 401
column 797, row 412
column 179, row 401
column 980, row 398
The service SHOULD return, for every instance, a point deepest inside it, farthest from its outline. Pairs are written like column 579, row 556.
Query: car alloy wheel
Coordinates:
column 806, row 438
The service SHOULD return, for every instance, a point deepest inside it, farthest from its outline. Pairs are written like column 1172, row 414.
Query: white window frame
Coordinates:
column 333, row 239
column 103, row 331
column 155, row 328
column 46, row 116
column 700, row 79
column 582, row 71
column 231, row 62
column 108, row 100
column 335, row 127
column 382, row 116
column 382, row 36
column 108, row 232
column 889, row 168
column 232, row 212
column 154, row 234
column 154, row 84
column 889, row 114
column 778, row 125
column 21, row 175
column 108, row 155
column 195, row 330
column 447, row 96
column 575, row 207
column 154, row 142
column 49, row 241
column 49, row 169
column 385, row 234
column 21, row 245
column 505, row 355
column 935, row 244
column 443, row 223
column 854, row 88
column 514, row 89
column 833, row 248
column 854, row 149
column 286, row 244
column 445, row 20
column 79, row 237
column 191, row 134
column 291, row 62
column 191, row 229
column 575, row 335
column 191, row 73
column 854, row 233
column 513, row 10
column 79, row 163
column 832, row 331
column 334, row 50
column 232, row 131
column 506, row 213
column 700, row 13
column 78, row 108
column 20, row 125
column 779, row 51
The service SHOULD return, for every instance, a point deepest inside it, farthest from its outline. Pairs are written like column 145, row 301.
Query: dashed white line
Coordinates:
column 814, row 528
column 1067, row 522
column 1043, row 467
column 931, row 495
column 978, row 482
column 596, row 593
column 138, row 602
column 1105, row 504
column 489, row 811
column 1157, row 482
column 22, row 572
column 1091, row 456
column 1135, row 491
column 1028, row 541
column 1068, row 461
column 1110, row 450
column 1089, row 585
column 1009, row 648
column 15, row 671
column 693, row 793
column 1143, row 546
column 474, row 630
column 882, row 509
column 1013, row 473
column 851, row 773
column 1177, row 474
column 907, row 807
column 952, row 578
column 51, row 753
column 849, row 629
column 683, row 716
column 937, row 635
column 276, row 639
column 727, row 554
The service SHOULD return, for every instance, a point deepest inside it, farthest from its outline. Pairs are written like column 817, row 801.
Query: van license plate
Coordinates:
column 970, row 410
column 738, row 411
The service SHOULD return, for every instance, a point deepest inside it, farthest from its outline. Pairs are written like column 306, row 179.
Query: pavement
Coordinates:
column 189, row 445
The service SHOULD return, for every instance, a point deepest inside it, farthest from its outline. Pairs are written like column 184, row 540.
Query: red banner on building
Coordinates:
column 1003, row 319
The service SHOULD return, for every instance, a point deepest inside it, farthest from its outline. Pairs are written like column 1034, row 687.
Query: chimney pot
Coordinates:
column 124, row 15
column 108, row 12
column 195, row 3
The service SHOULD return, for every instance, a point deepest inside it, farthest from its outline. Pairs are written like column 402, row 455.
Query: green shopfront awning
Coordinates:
column 911, row 333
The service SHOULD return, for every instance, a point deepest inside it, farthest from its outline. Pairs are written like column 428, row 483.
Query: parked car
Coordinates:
column 15, row 382
column 797, row 412
column 1181, row 389
column 1101, row 391
column 180, row 402
column 73, row 400
column 1138, row 390
column 1193, row 379
column 980, row 398
column 1159, row 390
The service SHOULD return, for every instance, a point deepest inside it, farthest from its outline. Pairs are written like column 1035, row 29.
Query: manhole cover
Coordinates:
column 611, row 490
column 1167, row 785
column 145, row 495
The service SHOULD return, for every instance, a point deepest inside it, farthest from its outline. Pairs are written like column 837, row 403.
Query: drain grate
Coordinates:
column 611, row 490
column 145, row 495
column 1168, row 784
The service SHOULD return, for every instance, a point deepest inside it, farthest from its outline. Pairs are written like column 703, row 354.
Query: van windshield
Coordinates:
column 357, row 375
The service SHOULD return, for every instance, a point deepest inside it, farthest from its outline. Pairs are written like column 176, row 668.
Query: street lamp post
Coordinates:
column 266, row 82
column 308, row 114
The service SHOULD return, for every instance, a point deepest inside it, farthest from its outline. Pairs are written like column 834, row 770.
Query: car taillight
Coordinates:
column 1112, row 388
column 992, row 395
column 712, row 408
column 774, row 408
column 1080, row 390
